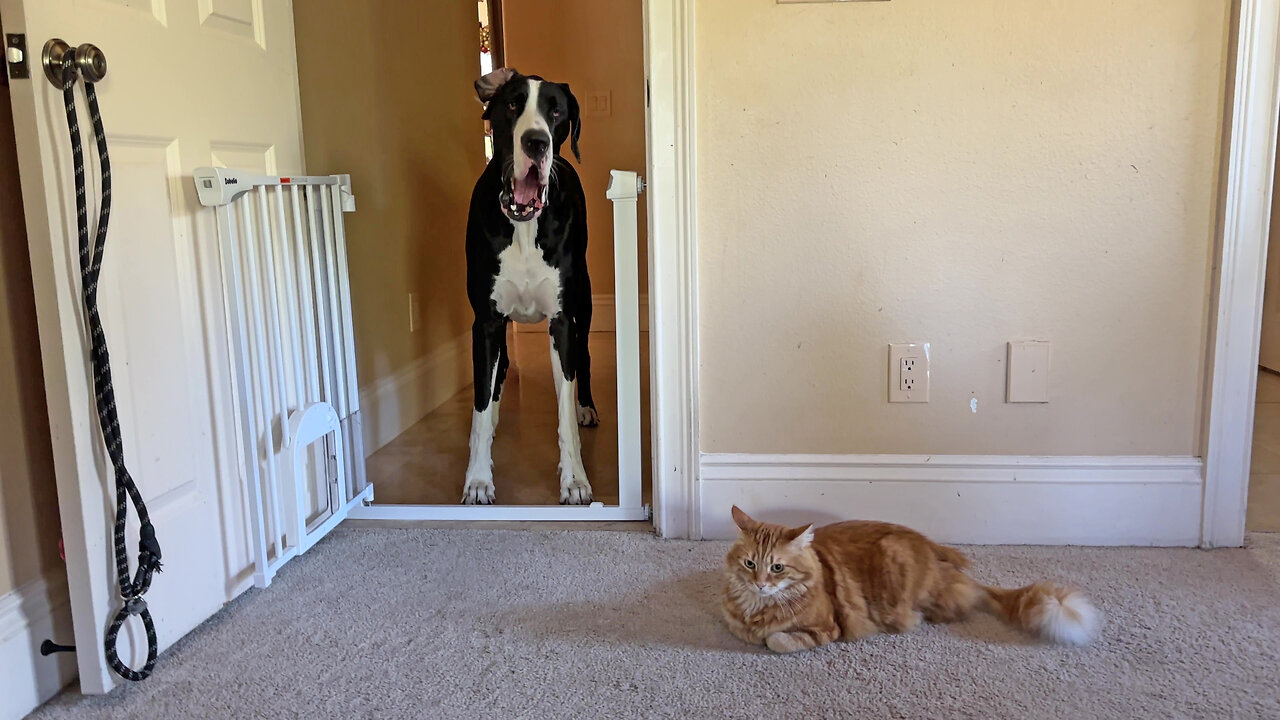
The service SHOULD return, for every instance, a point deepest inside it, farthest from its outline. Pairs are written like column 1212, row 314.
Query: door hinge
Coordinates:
column 15, row 56
column 646, row 92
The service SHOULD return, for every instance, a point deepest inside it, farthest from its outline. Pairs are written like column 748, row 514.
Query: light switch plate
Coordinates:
column 1028, row 372
column 597, row 104
column 909, row 373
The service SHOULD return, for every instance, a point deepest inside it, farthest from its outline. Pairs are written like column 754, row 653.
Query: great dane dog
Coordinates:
column 527, row 261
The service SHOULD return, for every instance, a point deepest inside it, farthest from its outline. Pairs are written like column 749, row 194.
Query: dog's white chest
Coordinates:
column 527, row 289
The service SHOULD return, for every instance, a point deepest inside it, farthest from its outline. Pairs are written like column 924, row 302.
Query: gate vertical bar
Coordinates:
column 322, row 320
column 274, row 321
column 352, row 434
column 338, row 396
column 348, row 346
column 285, row 261
column 624, row 188
column 260, row 381
column 306, row 300
column 233, row 304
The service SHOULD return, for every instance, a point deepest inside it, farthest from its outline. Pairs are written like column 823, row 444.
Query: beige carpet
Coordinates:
column 551, row 624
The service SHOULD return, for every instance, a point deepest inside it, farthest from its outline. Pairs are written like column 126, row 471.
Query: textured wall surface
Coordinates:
column 963, row 174
column 29, row 522
column 413, row 142
column 564, row 41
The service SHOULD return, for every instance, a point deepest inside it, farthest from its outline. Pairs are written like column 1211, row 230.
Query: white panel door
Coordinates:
column 189, row 83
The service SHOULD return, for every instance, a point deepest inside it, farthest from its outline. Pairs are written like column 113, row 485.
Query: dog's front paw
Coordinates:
column 588, row 417
column 477, row 491
column 575, row 492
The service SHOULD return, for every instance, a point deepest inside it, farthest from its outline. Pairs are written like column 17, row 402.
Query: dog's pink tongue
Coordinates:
column 526, row 189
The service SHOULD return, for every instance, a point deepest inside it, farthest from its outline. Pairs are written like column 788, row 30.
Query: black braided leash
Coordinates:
column 131, row 591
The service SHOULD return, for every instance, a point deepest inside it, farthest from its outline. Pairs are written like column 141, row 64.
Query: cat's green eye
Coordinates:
column 777, row 568
column 751, row 565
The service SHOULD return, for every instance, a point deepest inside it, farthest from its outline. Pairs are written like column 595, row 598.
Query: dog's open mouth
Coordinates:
column 524, row 196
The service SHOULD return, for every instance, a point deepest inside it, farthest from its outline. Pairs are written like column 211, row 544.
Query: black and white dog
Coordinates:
column 526, row 261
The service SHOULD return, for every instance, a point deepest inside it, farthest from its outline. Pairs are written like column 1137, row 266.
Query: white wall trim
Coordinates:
column 29, row 614
column 393, row 404
column 1246, row 211
column 604, row 317
column 980, row 499
column 673, row 265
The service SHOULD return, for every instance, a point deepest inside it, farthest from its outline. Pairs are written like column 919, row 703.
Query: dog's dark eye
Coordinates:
column 750, row 564
column 513, row 106
column 776, row 568
column 555, row 114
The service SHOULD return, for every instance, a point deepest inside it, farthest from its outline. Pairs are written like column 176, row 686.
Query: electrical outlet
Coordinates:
column 909, row 373
column 415, row 313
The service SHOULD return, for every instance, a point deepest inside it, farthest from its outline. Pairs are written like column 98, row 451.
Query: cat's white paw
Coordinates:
column 477, row 491
column 781, row 642
column 575, row 491
column 588, row 417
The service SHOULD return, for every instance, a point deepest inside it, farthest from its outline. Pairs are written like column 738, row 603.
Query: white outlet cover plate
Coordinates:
column 919, row 351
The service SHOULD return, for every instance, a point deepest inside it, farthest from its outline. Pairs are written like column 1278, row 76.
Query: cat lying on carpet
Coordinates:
column 799, row 588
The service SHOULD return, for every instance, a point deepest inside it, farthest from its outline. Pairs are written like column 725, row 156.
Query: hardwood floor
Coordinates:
column 1263, row 513
column 427, row 463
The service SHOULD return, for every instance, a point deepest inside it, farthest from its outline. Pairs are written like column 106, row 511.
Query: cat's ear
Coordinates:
column 743, row 520
column 799, row 538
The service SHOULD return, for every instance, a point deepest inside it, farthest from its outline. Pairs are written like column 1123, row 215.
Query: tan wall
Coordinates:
column 29, row 524
column 596, row 46
column 387, row 96
column 962, row 173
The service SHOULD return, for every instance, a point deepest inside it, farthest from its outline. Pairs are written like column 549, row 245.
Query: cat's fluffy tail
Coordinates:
column 1055, row 613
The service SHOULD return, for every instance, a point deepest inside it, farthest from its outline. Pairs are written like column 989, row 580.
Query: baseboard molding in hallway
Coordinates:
column 966, row 499
column 393, row 404
column 28, row 615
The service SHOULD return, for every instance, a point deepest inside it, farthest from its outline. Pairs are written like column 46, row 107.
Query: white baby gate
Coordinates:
column 288, row 305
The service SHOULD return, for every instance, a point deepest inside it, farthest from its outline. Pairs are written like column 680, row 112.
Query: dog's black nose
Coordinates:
column 535, row 143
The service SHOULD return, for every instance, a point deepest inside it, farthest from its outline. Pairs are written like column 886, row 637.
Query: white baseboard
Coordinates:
column 391, row 405
column 28, row 615
column 965, row 499
column 604, row 318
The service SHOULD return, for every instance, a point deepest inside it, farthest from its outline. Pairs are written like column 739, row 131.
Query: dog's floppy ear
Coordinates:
column 487, row 86
column 575, row 121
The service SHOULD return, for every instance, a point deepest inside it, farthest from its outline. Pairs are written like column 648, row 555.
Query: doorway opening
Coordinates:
column 404, row 146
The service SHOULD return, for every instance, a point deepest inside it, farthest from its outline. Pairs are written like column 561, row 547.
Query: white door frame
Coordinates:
column 1250, row 145
column 673, row 266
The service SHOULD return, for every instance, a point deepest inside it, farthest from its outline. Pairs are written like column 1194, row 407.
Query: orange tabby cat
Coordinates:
column 798, row 588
